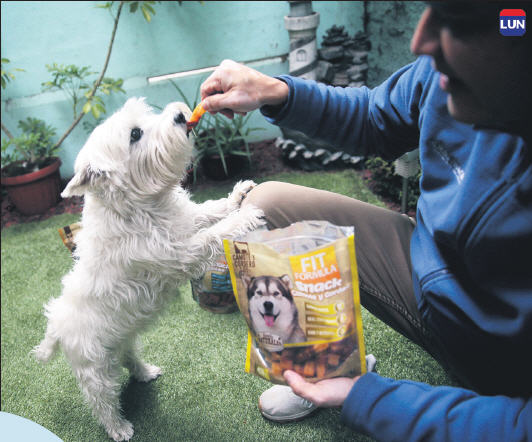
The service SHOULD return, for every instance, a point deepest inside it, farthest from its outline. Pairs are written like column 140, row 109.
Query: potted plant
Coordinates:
column 221, row 146
column 30, row 167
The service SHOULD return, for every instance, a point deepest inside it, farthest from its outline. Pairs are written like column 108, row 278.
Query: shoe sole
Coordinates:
column 286, row 420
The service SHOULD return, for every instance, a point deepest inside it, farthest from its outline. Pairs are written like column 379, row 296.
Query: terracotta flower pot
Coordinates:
column 35, row 192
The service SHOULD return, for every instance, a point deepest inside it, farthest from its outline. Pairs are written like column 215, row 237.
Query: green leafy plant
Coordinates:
column 219, row 136
column 6, row 75
column 31, row 151
column 26, row 152
column 145, row 8
column 73, row 81
column 34, row 148
column 385, row 183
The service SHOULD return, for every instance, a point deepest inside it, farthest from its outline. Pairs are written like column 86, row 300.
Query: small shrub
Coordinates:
column 385, row 183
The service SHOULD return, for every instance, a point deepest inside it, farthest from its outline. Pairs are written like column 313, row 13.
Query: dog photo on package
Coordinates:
column 297, row 289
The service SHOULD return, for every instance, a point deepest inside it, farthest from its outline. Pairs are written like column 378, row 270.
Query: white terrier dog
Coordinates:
column 141, row 237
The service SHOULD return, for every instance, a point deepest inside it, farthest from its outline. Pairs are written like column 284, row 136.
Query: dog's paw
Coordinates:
column 253, row 216
column 240, row 191
column 122, row 431
column 147, row 373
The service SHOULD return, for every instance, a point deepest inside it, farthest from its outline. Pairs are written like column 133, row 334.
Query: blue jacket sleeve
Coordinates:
column 361, row 121
column 387, row 409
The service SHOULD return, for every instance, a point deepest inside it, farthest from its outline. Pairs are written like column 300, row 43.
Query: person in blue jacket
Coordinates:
column 457, row 280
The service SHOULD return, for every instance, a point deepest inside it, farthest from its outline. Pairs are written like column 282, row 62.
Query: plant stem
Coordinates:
column 98, row 82
column 5, row 129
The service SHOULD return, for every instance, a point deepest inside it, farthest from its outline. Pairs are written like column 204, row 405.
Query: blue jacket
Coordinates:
column 471, row 254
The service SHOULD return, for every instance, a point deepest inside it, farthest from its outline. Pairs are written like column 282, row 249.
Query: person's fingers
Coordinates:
column 217, row 103
column 300, row 387
column 325, row 393
column 210, row 86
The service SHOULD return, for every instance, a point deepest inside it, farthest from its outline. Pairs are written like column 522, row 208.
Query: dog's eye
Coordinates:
column 136, row 133
column 276, row 293
column 259, row 292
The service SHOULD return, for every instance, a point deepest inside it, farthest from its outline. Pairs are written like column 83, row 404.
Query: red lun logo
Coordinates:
column 512, row 22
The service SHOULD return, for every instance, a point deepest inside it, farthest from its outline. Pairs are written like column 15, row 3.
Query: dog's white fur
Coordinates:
column 141, row 237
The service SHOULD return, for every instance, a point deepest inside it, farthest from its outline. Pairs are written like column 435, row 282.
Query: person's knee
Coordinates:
column 263, row 195
column 270, row 197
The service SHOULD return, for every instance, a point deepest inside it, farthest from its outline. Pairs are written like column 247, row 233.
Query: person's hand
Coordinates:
column 235, row 88
column 327, row 393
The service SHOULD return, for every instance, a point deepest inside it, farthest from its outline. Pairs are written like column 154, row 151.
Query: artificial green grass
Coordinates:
column 204, row 393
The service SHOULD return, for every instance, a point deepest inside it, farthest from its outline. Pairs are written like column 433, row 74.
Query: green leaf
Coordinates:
column 133, row 6
column 87, row 107
column 95, row 112
column 149, row 8
column 146, row 14
column 105, row 5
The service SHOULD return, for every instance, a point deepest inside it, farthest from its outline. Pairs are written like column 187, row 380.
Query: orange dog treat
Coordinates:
column 310, row 369
column 275, row 357
column 321, row 369
column 333, row 359
column 298, row 368
column 195, row 117
column 287, row 364
column 318, row 348
column 276, row 369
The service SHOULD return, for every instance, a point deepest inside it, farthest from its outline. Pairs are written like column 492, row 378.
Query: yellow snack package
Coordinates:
column 298, row 291
column 213, row 291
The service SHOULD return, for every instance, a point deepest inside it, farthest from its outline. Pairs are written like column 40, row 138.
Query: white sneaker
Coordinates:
column 280, row 404
column 371, row 362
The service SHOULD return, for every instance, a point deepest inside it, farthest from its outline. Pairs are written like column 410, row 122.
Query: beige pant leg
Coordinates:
column 382, row 243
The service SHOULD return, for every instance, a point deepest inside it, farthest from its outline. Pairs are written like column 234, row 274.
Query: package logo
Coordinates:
column 512, row 22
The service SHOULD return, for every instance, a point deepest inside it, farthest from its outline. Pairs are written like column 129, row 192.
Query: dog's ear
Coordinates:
column 80, row 181
column 286, row 279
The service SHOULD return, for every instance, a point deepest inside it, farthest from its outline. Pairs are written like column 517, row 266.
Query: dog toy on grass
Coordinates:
column 195, row 117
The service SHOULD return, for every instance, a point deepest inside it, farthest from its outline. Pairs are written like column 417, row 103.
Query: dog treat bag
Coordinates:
column 297, row 288
column 213, row 291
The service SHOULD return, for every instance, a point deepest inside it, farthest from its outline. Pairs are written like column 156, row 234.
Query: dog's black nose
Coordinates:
column 180, row 118
column 268, row 306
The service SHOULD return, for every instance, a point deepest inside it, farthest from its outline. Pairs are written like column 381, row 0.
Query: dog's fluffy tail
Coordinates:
column 46, row 349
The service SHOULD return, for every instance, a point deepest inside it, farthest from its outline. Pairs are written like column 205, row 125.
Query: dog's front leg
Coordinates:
column 213, row 211
column 206, row 244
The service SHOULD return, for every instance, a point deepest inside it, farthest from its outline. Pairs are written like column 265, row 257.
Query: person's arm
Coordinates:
column 235, row 88
column 386, row 409
column 404, row 410
column 383, row 120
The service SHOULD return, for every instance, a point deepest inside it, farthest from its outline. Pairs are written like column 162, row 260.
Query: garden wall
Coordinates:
column 180, row 37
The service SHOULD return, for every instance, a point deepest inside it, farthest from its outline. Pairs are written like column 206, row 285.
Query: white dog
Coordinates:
column 141, row 237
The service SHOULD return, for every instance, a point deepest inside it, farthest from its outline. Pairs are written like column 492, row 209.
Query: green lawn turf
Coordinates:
column 204, row 393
